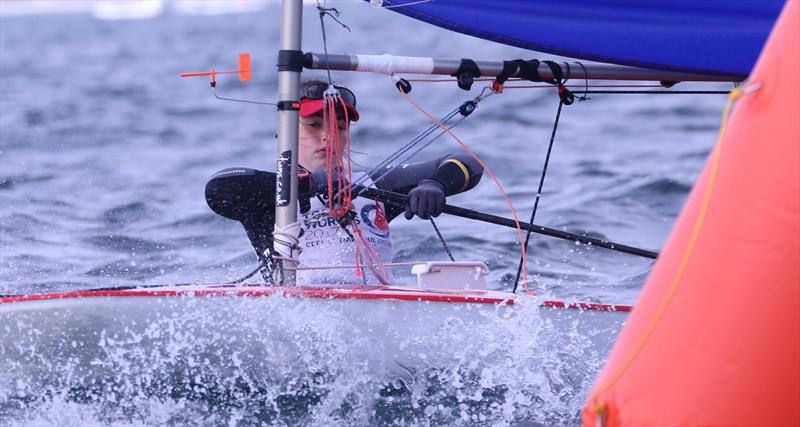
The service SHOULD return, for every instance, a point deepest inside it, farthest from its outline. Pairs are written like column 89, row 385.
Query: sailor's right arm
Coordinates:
column 248, row 196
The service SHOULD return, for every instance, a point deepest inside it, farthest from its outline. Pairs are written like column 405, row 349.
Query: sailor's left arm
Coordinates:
column 457, row 173
column 428, row 183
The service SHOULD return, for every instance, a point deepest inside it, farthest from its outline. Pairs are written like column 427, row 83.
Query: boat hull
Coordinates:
column 173, row 341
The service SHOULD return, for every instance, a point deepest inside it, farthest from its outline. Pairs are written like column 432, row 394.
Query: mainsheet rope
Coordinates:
column 345, row 194
column 385, row 164
column 488, row 172
column 562, row 87
column 339, row 206
column 441, row 239
column 539, row 190
column 385, row 167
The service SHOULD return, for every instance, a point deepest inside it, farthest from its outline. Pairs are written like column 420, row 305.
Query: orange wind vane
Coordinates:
column 244, row 75
column 243, row 71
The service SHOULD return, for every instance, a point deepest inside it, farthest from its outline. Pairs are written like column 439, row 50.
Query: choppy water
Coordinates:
column 104, row 154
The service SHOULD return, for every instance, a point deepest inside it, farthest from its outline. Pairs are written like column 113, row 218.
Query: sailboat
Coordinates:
column 103, row 324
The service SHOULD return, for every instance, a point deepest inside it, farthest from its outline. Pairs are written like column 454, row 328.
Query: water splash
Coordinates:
column 289, row 361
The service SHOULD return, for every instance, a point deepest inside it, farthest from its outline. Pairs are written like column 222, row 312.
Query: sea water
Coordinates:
column 105, row 151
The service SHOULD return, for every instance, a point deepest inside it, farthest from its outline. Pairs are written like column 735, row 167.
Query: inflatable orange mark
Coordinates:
column 715, row 336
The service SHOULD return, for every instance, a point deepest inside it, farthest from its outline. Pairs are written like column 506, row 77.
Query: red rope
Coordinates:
column 494, row 178
column 373, row 261
column 337, row 150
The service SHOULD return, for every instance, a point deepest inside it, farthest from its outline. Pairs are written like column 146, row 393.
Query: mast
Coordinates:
column 288, row 117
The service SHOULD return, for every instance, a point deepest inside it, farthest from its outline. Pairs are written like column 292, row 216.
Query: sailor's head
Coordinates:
column 313, row 140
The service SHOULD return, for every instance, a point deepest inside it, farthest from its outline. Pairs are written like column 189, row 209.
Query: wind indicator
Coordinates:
column 244, row 73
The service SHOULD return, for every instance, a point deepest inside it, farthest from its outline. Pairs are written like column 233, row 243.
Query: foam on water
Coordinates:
column 292, row 361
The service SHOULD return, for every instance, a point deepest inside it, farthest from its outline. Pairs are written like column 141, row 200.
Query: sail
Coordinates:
column 715, row 336
column 719, row 37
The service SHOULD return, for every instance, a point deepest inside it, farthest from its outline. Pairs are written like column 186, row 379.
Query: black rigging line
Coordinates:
column 261, row 265
column 539, row 191
column 441, row 239
column 585, row 96
column 334, row 14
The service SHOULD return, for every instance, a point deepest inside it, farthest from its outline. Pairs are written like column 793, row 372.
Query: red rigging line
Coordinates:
column 494, row 178
column 337, row 150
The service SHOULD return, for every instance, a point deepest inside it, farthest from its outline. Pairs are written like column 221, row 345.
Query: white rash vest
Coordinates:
column 325, row 243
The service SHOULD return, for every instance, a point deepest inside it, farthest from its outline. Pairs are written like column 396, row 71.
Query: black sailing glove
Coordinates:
column 425, row 200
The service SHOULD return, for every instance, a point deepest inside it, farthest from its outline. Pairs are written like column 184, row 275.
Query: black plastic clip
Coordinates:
column 291, row 60
column 345, row 220
column 466, row 73
column 567, row 98
column 467, row 108
column 288, row 105
column 403, row 85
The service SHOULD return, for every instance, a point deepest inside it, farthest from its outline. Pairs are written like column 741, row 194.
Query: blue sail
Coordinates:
column 720, row 37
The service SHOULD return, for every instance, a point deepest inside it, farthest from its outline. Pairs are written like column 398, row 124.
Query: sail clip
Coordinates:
column 466, row 73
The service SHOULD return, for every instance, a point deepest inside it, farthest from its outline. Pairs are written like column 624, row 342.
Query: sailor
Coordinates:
column 248, row 195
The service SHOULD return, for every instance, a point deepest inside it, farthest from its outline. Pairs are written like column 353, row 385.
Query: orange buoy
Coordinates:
column 714, row 339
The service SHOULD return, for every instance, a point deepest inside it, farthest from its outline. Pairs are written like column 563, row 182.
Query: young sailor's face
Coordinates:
column 313, row 142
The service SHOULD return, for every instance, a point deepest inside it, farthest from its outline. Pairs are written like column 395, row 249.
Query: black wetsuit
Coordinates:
column 248, row 195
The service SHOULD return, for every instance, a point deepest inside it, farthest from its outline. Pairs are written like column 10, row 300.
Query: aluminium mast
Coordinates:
column 287, row 127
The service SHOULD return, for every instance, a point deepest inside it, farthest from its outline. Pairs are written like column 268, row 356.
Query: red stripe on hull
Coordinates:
column 325, row 293
column 374, row 293
column 587, row 306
